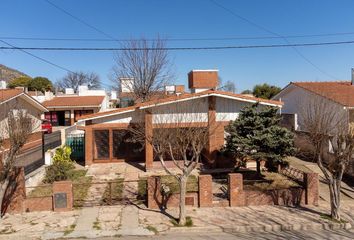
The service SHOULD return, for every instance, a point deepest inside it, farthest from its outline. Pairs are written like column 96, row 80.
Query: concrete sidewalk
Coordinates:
column 123, row 220
column 246, row 219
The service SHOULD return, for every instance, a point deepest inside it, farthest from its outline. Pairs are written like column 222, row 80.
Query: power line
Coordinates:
column 178, row 39
column 178, row 48
column 35, row 56
column 272, row 33
column 80, row 20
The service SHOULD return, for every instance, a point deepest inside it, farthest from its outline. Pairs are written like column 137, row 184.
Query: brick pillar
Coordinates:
column 149, row 153
column 216, row 131
column 153, row 192
column 15, row 193
column 311, row 188
column 88, row 146
column 236, row 194
column 63, row 196
column 205, row 191
column 72, row 116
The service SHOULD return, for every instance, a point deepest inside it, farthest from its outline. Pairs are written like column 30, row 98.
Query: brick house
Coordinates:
column 106, row 132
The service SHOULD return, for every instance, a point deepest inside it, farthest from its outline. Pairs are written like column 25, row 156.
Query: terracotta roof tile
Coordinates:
column 340, row 92
column 6, row 94
column 74, row 101
column 173, row 98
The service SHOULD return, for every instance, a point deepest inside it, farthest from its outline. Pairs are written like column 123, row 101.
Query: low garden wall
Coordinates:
column 238, row 195
column 16, row 199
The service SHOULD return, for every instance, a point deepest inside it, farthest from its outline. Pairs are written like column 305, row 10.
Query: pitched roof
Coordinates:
column 339, row 92
column 74, row 101
column 6, row 94
column 182, row 97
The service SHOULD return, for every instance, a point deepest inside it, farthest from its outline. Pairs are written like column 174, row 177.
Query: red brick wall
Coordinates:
column 311, row 186
column 64, row 187
column 38, row 204
column 157, row 201
column 149, row 153
column 88, row 146
column 15, row 193
column 236, row 193
column 203, row 79
column 205, row 191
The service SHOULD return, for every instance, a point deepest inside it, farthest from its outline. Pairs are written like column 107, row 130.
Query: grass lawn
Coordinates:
column 270, row 181
column 113, row 191
column 81, row 184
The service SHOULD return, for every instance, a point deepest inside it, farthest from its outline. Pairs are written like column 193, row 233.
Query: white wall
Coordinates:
column 297, row 99
column 186, row 111
column 19, row 103
column 128, row 117
column 228, row 109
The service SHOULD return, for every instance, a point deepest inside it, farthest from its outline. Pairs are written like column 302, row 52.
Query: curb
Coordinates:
column 264, row 228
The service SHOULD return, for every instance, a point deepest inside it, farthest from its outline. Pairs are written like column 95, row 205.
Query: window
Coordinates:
column 101, row 144
column 124, row 148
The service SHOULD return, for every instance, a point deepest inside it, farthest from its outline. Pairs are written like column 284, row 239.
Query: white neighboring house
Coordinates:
column 297, row 95
column 337, row 95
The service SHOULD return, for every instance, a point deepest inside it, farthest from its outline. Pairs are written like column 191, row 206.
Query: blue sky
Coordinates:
column 186, row 19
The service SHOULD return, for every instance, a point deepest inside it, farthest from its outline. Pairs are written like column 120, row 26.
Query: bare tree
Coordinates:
column 327, row 129
column 75, row 79
column 15, row 132
column 147, row 63
column 180, row 138
column 229, row 86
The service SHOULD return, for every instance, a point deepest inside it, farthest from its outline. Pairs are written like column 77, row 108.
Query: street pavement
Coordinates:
column 296, row 235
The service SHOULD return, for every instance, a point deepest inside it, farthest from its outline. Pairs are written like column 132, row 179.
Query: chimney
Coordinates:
column 174, row 89
column 352, row 82
column 202, row 80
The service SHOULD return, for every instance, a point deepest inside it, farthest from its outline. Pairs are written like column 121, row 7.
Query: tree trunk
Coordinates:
column 182, row 199
column 258, row 162
column 334, row 190
column 3, row 188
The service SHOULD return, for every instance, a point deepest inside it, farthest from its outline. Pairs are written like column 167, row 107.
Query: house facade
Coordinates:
column 65, row 110
column 17, row 99
column 106, row 133
column 297, row 97
column 337, row 96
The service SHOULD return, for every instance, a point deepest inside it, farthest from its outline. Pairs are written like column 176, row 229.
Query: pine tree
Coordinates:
column 256, row 135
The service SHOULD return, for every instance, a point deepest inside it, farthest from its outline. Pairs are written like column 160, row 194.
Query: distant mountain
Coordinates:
column 7, row 74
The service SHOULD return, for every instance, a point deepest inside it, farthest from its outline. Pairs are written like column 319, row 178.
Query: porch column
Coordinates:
column 216, row 131
column 72, row 117
column 149, row 154
column 88, row 146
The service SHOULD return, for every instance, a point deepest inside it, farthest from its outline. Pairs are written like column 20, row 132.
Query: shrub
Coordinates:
column 62, row 166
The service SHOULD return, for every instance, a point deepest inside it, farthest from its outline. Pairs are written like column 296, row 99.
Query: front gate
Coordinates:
column 76, row 141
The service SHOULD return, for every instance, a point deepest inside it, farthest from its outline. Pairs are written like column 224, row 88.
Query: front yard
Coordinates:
column 81, row 184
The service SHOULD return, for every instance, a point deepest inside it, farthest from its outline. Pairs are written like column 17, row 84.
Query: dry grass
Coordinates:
column 273, row 181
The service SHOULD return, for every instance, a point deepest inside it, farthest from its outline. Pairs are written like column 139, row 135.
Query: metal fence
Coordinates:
column 77, row 144
column 114, row 192
column 293, row 173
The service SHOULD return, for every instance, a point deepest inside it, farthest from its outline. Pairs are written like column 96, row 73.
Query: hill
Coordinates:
column 7, row 74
